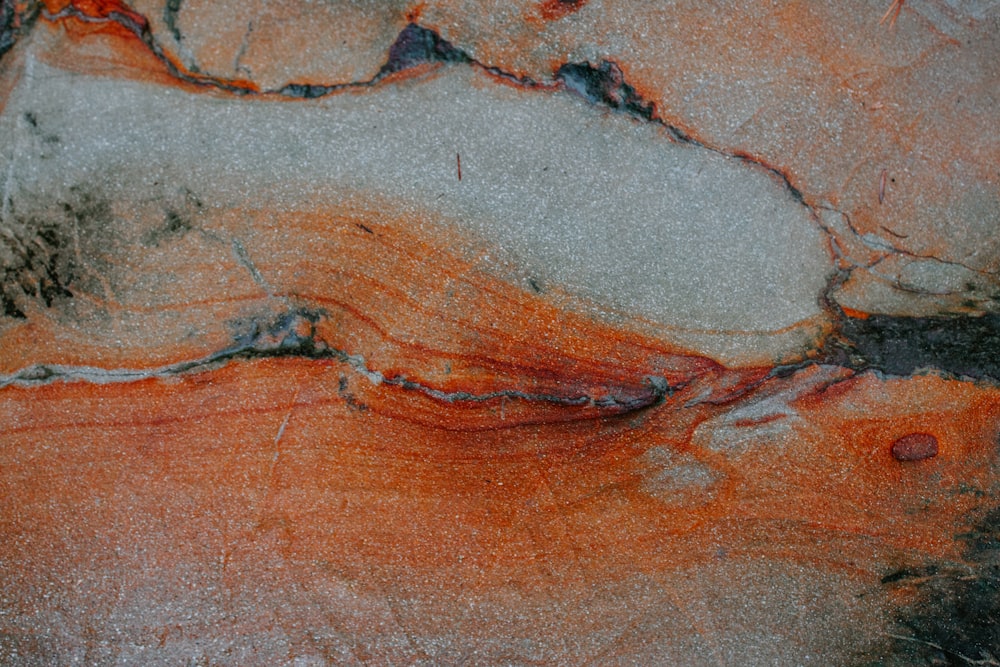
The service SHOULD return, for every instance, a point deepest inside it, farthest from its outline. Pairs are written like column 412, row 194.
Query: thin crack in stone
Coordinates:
column 603, row 85
column 882, row 244
column 139, row 26
column 414, row 46
column 170, row 11
column 264, row 342
column 653, row 396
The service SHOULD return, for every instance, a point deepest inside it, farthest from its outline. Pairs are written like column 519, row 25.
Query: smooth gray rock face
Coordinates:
column 606, row 208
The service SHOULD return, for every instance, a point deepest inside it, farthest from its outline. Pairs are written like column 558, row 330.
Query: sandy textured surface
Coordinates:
column 509, row 333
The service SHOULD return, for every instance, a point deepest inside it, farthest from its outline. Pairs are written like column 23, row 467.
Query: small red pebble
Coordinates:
column 915, row 447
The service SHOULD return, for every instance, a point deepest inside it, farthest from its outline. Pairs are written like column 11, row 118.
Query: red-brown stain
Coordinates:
column 415, row 13
column 553, row 10
column 414, row 306
column 894, row 10
column 102, row 10
column 856, row 314
column 306, row 474
column 915, row 447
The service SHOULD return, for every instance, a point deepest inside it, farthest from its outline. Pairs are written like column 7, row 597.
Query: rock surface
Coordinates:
column 524, row 332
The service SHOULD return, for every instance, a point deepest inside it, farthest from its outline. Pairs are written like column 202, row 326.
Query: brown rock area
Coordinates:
column 294, row 370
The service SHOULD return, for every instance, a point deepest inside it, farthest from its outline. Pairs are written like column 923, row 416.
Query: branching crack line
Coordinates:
column 269, row 480
column 885, row 246
column 310, row 348
column 244, row 45
column 987, row 659
column 243, row 257
column 601, row 85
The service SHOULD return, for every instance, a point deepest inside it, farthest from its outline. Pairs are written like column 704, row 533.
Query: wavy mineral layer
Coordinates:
column 709, row 250
column 289, row 507
column 380, row 333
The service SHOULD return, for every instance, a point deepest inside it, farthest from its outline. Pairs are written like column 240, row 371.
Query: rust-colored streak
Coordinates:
column 553, row 10
column 894, row 10
column 278, row 473
column 856, row 314
column 306, row 473
column 112, row 10
column 458, row 462
column 448, row 307
column 130, row 47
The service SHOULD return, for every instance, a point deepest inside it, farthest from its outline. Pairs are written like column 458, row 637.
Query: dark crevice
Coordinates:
column 36, row 266
column 8, row 19
column 416, row 46
column 13, row 24
column 170, row 12
column 413, row 47
column 294, row 334
column 139, row 26
column 53, row 255
column 605, row 85
column 306, row 91
column 509, row 77
column 962, row 346
column 910, row 574
column 776, row 174
column 956, row 618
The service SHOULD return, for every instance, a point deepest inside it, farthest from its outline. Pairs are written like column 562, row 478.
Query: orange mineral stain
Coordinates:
column 125, row 45
column 458, row 462
column 299, row 475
